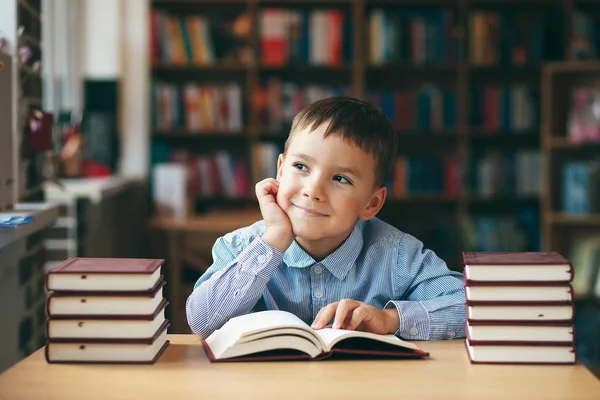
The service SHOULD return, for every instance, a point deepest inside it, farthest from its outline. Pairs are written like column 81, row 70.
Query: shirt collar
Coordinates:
column 338, row 263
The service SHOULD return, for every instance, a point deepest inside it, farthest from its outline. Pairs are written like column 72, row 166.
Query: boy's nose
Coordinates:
column 313, row 190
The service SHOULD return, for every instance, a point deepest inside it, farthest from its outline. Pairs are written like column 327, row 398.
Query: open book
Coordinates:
column 280, row 335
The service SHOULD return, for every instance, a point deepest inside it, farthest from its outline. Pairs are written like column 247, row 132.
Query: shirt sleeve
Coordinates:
column 233, row 284
column 433, row 305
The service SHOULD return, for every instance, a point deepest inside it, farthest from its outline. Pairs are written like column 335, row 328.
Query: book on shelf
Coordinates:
column 510, row 108
column 411, row 36
column 516, row 267
column 513, row 38
column 199, row 39
column 424, row 174
column 428, row 108
column 309, row 37
column 276, row 102
column 105, row 274
column 583, row 122
column 196, row 107
column 581, row 187
column 280, row 335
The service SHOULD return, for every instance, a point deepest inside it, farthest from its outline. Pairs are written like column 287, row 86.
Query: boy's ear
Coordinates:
column 280, row 160
column 375, row 203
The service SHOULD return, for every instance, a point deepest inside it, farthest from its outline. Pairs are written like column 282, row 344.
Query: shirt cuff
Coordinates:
column 260, row 259
column 415, row 323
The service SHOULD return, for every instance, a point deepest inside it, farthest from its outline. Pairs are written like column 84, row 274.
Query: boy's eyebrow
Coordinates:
column 341, row 169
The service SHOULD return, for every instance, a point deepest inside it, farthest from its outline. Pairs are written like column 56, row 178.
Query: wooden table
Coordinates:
column 184, row 372
column 190, row 241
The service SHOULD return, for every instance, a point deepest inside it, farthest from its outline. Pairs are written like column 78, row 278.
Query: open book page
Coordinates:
column 262, row 331
column 308, row 334
column 331, row 337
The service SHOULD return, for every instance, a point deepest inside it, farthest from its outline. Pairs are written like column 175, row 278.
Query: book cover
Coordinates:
column 520, row 332
column 105, row 274
column 508, row 258
column 520, row 353
column 519, row 267
column 105, row 302
column 103, row 351
column 533, row 311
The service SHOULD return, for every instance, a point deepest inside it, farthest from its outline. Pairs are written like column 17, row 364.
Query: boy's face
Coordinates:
column 325, row 186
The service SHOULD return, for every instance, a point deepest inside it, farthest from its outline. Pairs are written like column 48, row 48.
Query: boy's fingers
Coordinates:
column 357, row 316
column 346, row 306
column 324, row 315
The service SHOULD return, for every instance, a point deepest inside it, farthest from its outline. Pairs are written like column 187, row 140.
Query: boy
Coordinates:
column 320, row 252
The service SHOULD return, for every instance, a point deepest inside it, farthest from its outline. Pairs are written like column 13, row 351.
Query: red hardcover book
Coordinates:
column 520, row 353
column 109, row 350
column 519, row 267
column 518, row 292
column 105, row 274
column 533, row 311
column 511, row 332
column 279, row 335
column 84, row 327
column 113, row 303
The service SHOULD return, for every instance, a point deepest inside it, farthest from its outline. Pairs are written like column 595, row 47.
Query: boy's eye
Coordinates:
column 300, row 166
column 342, row 179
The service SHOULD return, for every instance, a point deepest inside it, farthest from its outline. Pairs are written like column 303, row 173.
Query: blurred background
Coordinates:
column 138, row 128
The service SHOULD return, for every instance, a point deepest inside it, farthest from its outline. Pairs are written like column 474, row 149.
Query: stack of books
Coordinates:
column 519, row 308
column 106, row 310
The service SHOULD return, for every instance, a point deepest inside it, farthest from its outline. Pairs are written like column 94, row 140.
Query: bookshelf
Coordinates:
column 22, row 156
column 569, row 204
column 20, row 32
column 379, row 59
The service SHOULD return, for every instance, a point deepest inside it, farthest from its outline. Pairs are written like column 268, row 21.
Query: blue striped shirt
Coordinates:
column 377, row 264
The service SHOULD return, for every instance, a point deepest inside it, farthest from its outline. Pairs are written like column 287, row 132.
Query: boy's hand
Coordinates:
column 279, row 232
column 355, row 315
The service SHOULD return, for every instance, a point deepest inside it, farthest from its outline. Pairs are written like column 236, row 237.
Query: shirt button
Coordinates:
column 318, row 269
column 451, row 334
column 261, row 259
column 414, row 331
column 318, row 293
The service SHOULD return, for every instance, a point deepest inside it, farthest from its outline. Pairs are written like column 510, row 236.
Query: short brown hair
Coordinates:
column 355, row 120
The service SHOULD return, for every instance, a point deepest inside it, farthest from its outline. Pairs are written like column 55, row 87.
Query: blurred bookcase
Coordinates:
column 459, row 79
column 22, row 248
column 570, row 199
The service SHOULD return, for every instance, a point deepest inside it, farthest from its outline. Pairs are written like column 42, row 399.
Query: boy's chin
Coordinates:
column 307, row 233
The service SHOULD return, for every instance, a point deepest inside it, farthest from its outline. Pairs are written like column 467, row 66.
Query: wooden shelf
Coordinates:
column 568, row 144
column 204, row 134
column 574, row 219
column 442, row 67
column 199, row 67
column 503, row 199
column 306, row 68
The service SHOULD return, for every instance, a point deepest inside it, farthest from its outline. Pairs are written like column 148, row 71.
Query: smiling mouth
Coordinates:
column 310, row 212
